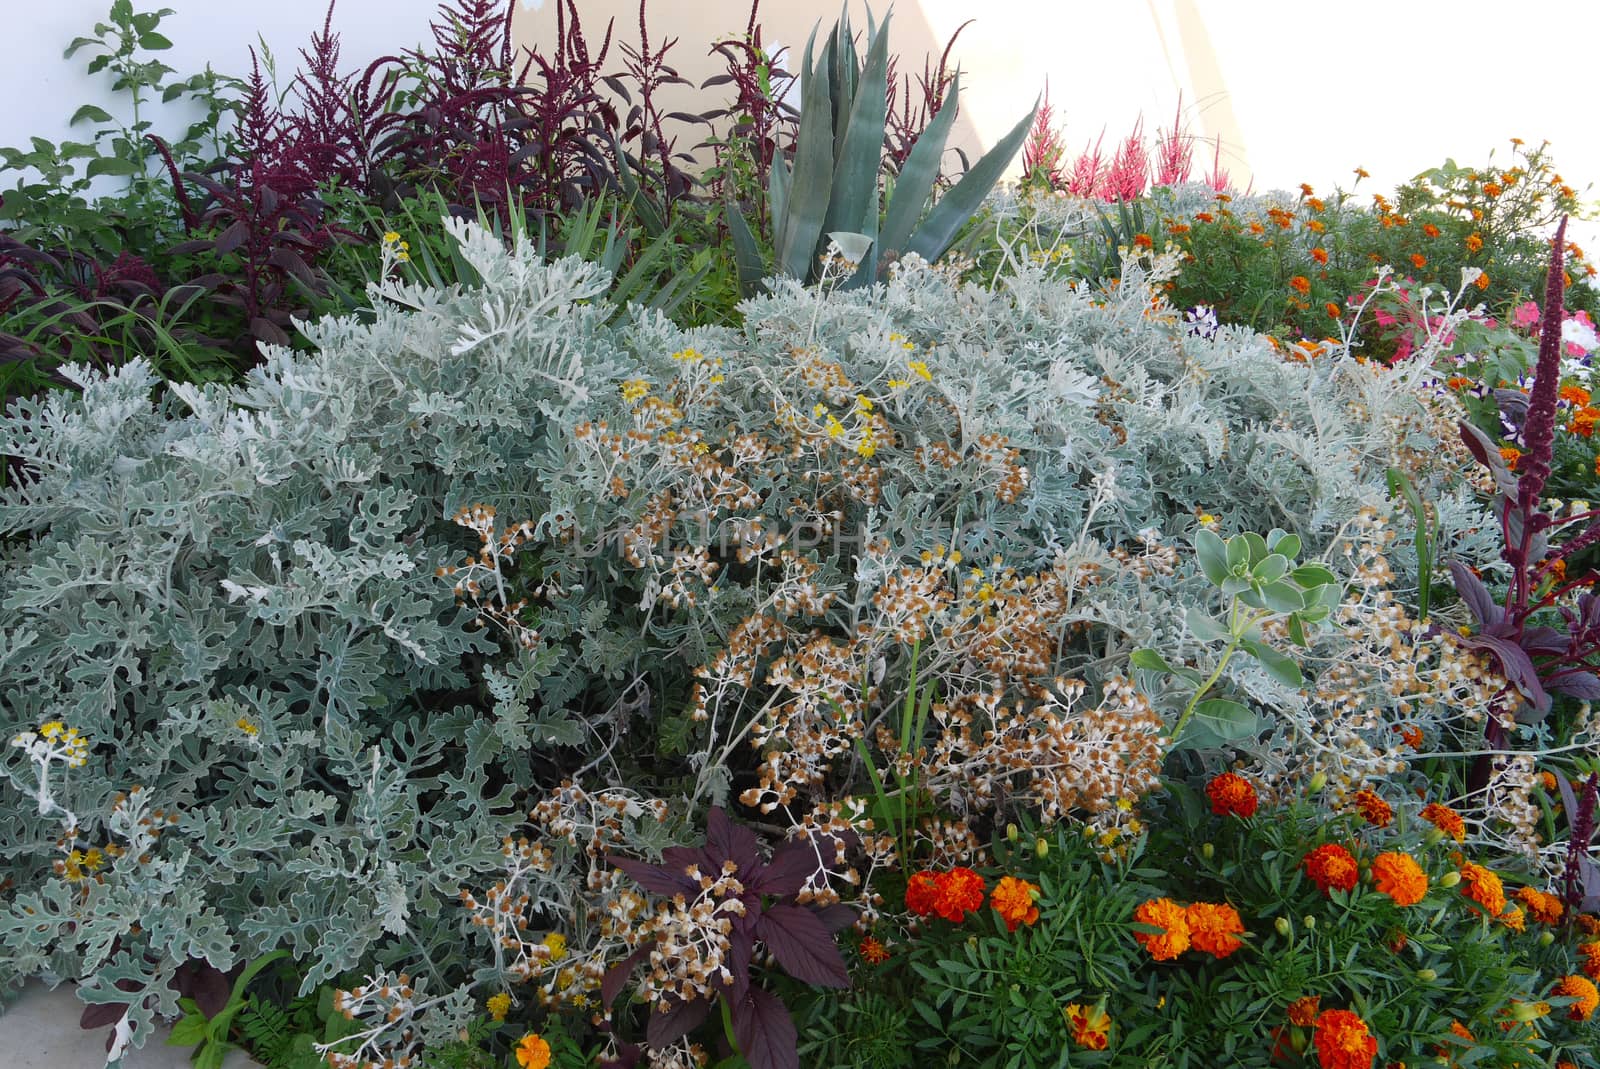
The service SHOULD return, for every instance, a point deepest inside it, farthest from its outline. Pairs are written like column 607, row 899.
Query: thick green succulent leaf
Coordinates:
column 948, row 216
column 806, row 201
column 914, row 185
column 854, row 196
column 746, row 253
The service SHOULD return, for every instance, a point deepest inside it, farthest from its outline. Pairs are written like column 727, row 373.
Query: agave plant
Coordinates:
column 829, row 191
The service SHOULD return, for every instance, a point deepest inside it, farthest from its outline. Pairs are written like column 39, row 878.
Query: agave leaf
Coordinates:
column 854, row 196
column 915, row 182
column 746, row 253
column 778, row 195
column 939, row 229
column 807, row 192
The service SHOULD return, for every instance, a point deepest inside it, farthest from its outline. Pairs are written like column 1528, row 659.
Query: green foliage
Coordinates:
column 831, row 188
column 1261, row 585
column 977, row 994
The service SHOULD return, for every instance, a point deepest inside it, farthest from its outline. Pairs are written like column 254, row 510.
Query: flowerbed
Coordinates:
column 951, row 647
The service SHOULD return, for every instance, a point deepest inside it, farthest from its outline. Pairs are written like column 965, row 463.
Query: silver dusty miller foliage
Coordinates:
column 242, row 598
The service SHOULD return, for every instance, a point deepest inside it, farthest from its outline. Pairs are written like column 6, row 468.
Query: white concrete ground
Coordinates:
column 41, row 1032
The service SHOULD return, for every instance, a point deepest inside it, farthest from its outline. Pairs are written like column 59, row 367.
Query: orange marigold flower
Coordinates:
column 533, row 1052
column 1343, row 1042
column 1483, row 887
column 1399, row 876
column 1232, row 795
column 1303, row 1011
column 1316, row 226
column 1091, row 1027
column 1584, row 420
column 1547, row 780
column 1515, row 919
column 1300, row 284
column 1332, row 310
column 873, row 952
column 1430, row 230
column 957, row 893
column 1315, row 204
column 1361, row 172
column 1597, row 465
column 1576, row 396
column 1172, row 919
column 1482, row 281
column 1418, row 260
column 920, row 893
column 1256, row 227
column 1446, row 820
column 1589, row 924
column 1142, row 241
column 1544, row 908
column 1331, row 865
column 1214, row 928
column 1205, row 217
column 1492, row 188
column 1013, row 900
column 1474, row 243
column 1459, row 382
column 1373, row 809
column 1319, row 254
column 1510, row 454
column 1177, row 228
column 1590, row 953
column 1582, row 989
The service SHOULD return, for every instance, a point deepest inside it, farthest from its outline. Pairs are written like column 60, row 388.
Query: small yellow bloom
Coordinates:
column 556, row 943
column 835, row 428
column 688, row 356
column 390, row 237
column 920, row 369
column 51, row 729
column 899, row 384
column 244, row 725
column 499, row 1005
column 863, row 402
column 635, row 390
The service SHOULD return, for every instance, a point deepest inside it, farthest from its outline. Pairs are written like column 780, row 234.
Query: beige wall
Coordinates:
column 698, row 25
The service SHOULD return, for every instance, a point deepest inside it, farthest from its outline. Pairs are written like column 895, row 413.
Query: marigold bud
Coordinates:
column 1546, row 937
column 1310, row 922
column 1319, row 781
column 1012, row 833
column 1207, row 851
column 1040, row 847
column 1433, row 836
column 1450, row 879
column 1427, row 976
column 1283, row 926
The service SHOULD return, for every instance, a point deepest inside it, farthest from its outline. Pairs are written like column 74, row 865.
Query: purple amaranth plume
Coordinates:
column 1580, row 878
column 1217, row 178
column 1085, row 179
column 1506, row 631
column 1130, row 168
column 1174, row 151
column 1042, row 151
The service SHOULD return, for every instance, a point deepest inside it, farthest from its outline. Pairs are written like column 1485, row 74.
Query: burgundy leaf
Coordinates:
column 802, row 944
column 837, row 917
column 617, row 976
column 671, row 1019
column 1582, row 685
column 1476, row 595
column 231, row 238
column 654, row 878
column 1487, row 453
column 765, row 1031
column 1515, row 666
column 791, row 866
column 726, row 841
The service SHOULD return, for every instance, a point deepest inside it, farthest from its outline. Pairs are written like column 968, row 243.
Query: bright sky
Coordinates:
column 1394, row 86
